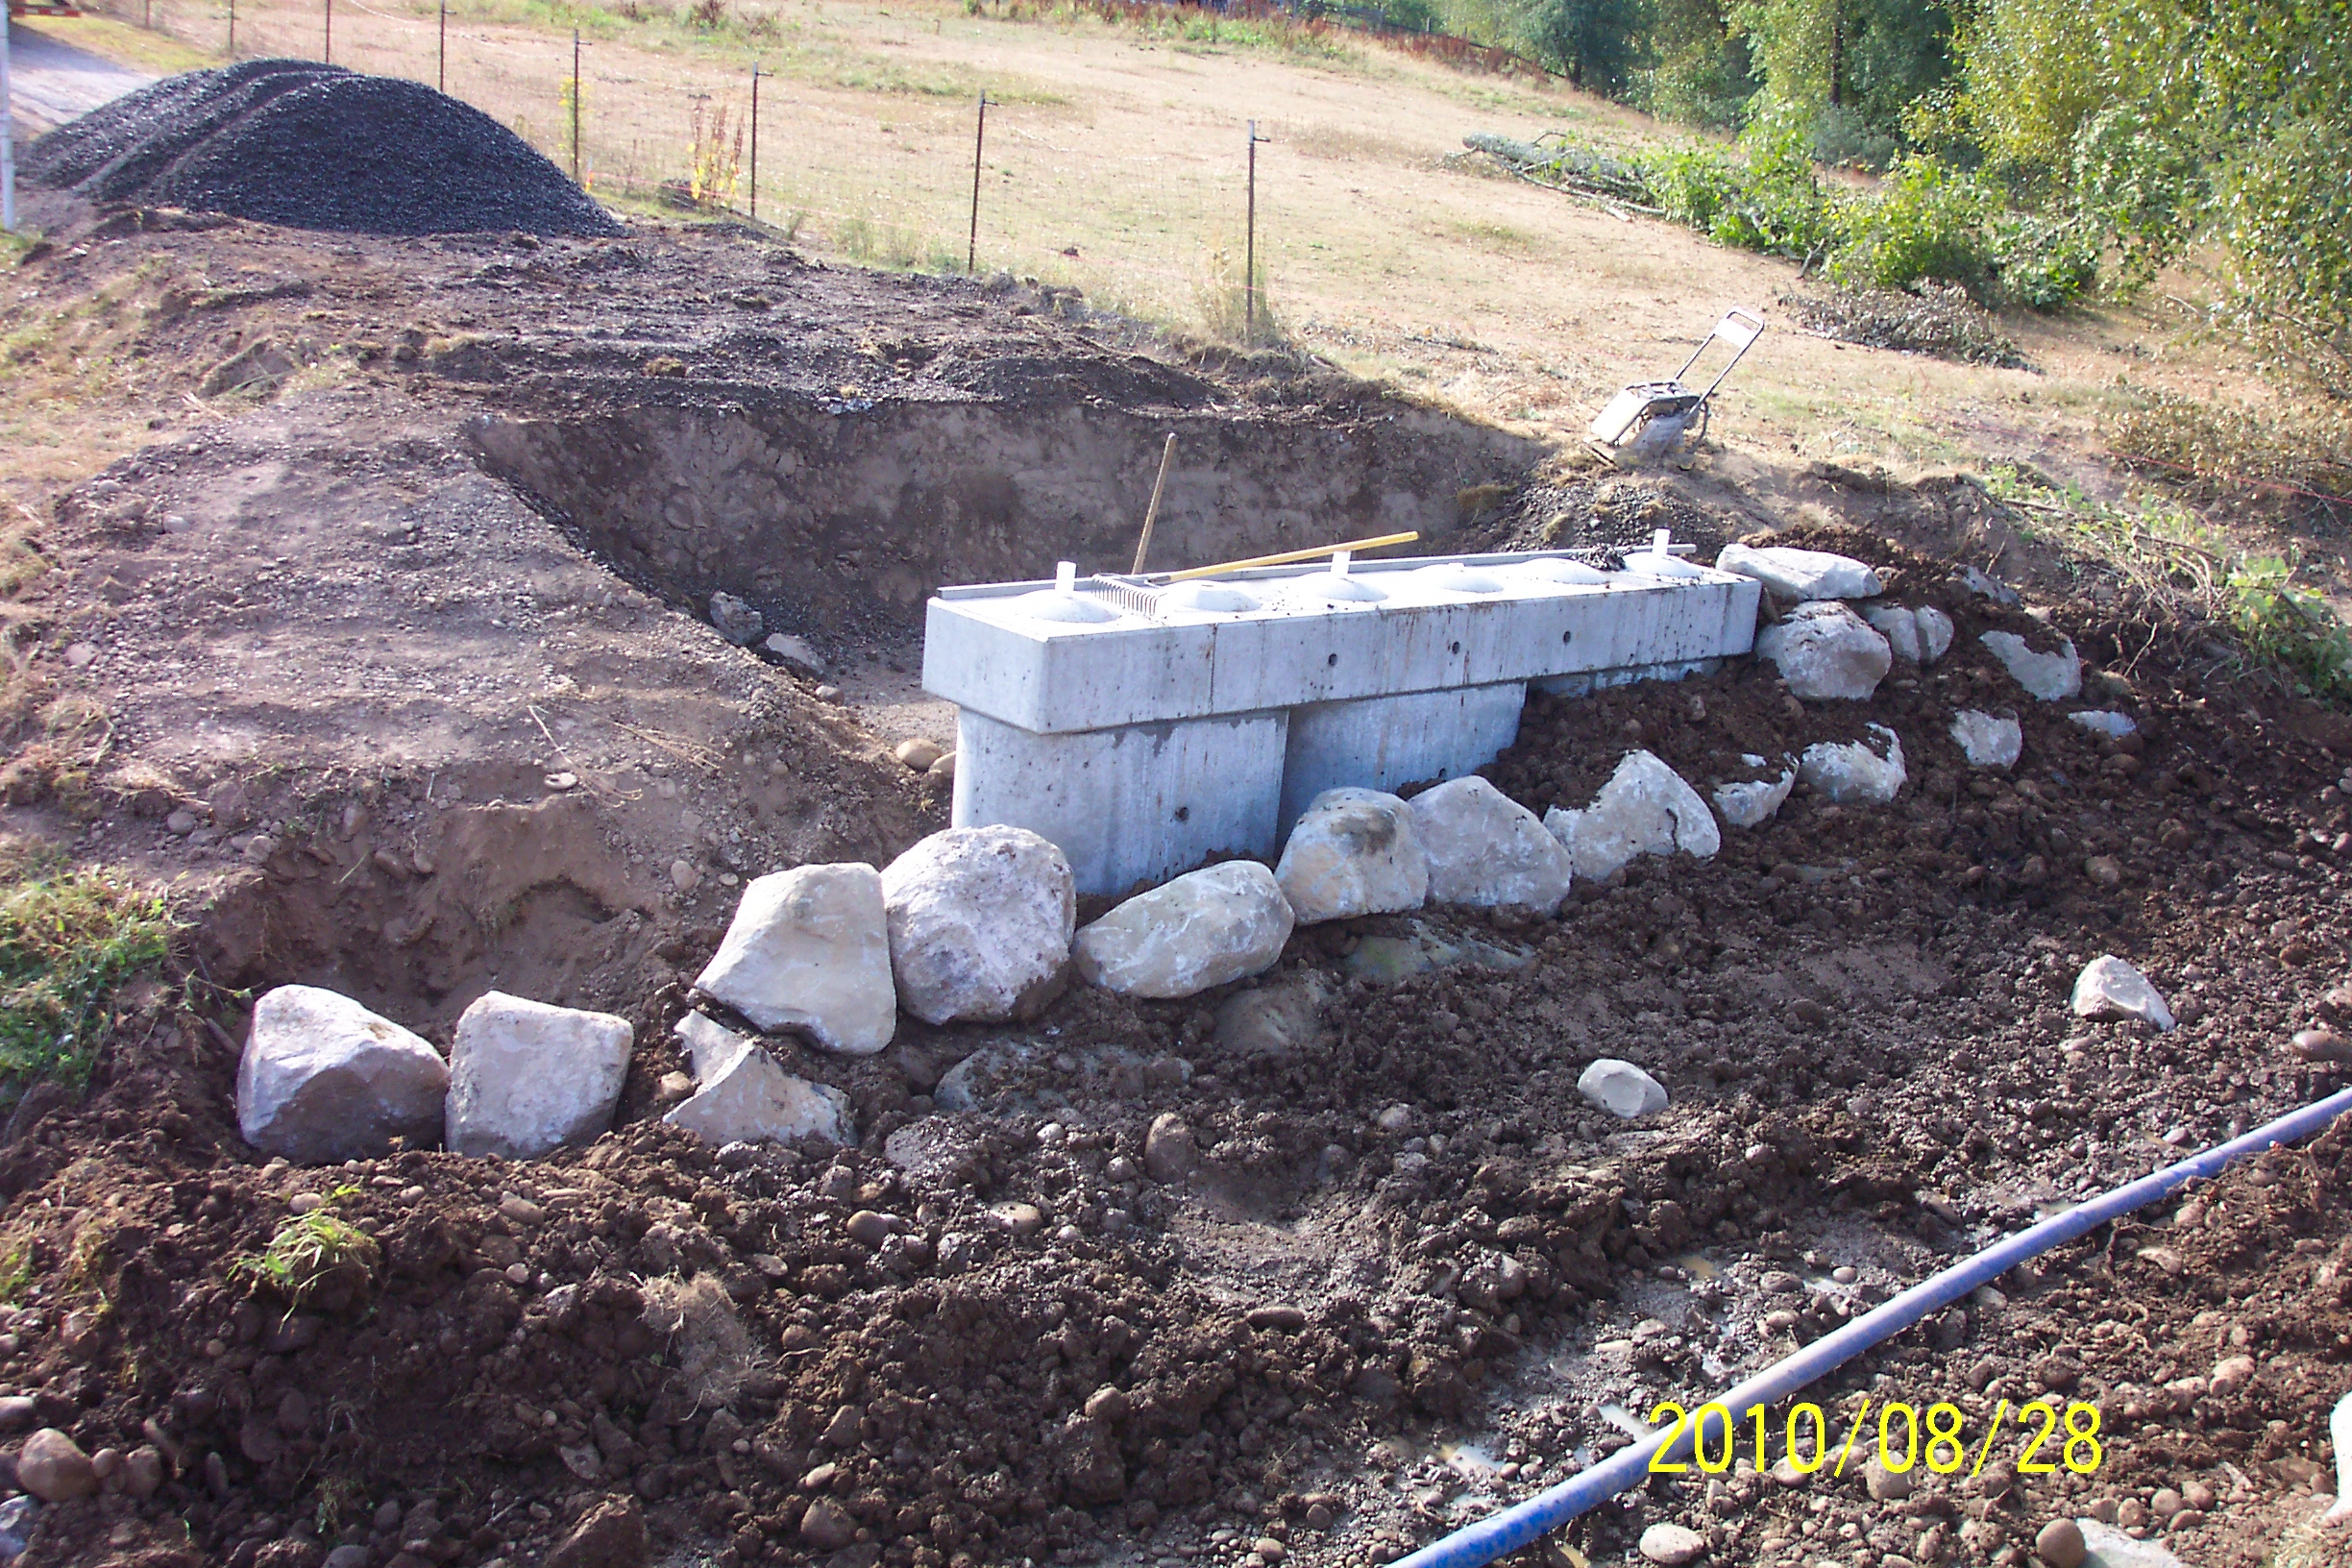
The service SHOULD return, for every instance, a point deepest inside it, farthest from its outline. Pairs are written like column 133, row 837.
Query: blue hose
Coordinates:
column 1525, row 1523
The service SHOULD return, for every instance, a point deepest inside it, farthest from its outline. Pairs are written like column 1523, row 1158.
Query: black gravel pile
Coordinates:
column 313, row 146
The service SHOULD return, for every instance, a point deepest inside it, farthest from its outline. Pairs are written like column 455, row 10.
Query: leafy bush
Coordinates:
column 1691, row 185
column 2289, row 626
column 1925, row 222
column 2044, row 263
column 1777, row 207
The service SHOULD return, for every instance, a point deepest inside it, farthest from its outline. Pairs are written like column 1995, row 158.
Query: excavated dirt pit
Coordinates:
column 437, row 745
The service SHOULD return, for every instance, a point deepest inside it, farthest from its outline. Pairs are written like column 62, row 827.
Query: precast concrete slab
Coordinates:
column 1139, row 804
column 1083, row 701
column 1382, row 743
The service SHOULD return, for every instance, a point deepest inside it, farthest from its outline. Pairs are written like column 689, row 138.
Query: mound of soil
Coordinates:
column 314, row 146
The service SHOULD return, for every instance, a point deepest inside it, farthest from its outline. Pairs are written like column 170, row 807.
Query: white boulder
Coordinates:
column 809, row 949
column 1353, row 853
column 1987, row 740
column 1802, row 574
column 752, row 1100
column 709, row 1044
column 324, row 1079
column 2109, row 987
column 1644, row 809
column 1205, row 928
column 1916, row 635
column 2105, row 721
column 1752, row 802
column 1487, row 849
column 1935, row 632
column 980, row 924
column 1622, row 1088
column 1856, row 772
column 2050, row 676
column 1826, row 653
column 525, row 1077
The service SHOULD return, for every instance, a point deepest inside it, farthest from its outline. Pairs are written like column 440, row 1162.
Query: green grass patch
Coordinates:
column 69, row 940
column 309, row 1252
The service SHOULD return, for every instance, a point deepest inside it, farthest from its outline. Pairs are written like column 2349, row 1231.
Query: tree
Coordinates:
column 1596, row 43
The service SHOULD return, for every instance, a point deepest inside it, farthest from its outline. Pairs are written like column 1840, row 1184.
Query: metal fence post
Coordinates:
column 1249, row 255
column 441, row 64
column 972, row 245
column 755, row 76
column 326, row 45
column 575, row 105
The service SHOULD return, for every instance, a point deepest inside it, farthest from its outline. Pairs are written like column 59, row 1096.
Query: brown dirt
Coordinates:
column 1342, row 1336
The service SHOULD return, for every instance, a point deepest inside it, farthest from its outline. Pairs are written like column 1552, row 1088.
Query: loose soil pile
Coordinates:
column 313, row 146
column 1415, row 1275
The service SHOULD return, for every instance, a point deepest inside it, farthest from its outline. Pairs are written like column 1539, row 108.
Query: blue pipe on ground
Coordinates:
column 1524, row 1523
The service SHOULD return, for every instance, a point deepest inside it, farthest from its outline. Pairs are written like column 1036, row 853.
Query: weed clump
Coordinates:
column 68, row 941
column 315, row 1258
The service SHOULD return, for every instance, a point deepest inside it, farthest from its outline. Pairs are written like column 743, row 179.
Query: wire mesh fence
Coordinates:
column 877, row 171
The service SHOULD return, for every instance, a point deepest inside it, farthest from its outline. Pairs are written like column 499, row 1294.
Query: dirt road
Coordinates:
column 51, row 82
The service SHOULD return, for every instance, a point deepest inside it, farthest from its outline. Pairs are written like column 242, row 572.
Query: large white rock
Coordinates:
column 1353, row 852
column 752, row 1100
column 525, row 1077
column 1987, row 740
column 324, row 1079
column 1487, row 849
column 1916, row 635
column 1802, row 574
column 1826, row 653
column 1752, row 802
column 1644, row 809
column 2109, row 987
column 2050, row 676
column 709, row 1044
column 1622, row 1088
column 980, row 924
column 1206, row 928
column 1856, row 772
column 809, row 949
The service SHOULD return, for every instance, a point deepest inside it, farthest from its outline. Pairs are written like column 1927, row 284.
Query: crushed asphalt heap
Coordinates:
column 313, row 146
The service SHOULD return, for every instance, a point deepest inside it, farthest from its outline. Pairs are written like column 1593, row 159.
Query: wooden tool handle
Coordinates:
column 1287, row 558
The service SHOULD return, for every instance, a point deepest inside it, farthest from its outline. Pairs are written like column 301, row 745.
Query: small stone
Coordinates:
column 810, row 949
column 17, row 1412
column 2050, row 676
column 796, row 653
column 1281, row 1318
column 980, row 922
column 674, row 1087
column 1622, row 1088
column 1107, row 1404
column 1886, row 1485
column 143, row 1471
column 1826, row 653
column 1269, row 1550
column 942, row 771
column 324, row 1079
column 1353, row 853
column 1935, row 632
column 81, row 655
column 2166, row 1503
column 1899, row 627
column 685, row 876
column 1486, row 850
column 611, row 1535
column 2232, row 1374
column 1856, row 772
column 1204, row 929
column 1672, row 1546
column 1987, row 740
column 919, row 754
column 2109, row 987
column 2102, row 721
column 1646, row 808
column 1020, row 1218
column 1753, row 803
column 2322, row 1045
column 2104, row 871
column 2059, row 1544
column 1792, row 574
column 736, row 621
column 182, row 822
column 526, row 1078
column 1170, row 1152
column 870, row 1228
column 53, row 1467
column 2198, row 1495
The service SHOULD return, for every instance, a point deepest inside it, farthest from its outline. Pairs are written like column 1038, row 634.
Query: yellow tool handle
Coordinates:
column 1288, row 557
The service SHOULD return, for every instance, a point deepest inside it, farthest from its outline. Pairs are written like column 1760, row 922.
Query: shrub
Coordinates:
column 1925, row 222
column 2044, row 263
column 1691, row 185
column 1776, row 206
column 67, row 942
